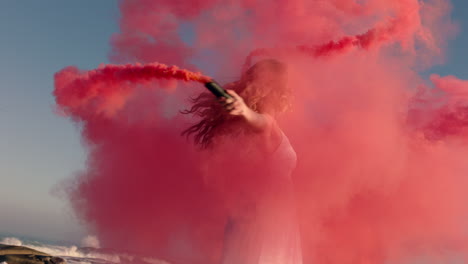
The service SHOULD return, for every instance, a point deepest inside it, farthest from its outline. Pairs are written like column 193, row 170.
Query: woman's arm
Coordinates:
column 259, row 122
column 236, row 106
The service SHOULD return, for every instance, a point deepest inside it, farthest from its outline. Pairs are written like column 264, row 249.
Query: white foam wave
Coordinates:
column 13, row 241
column 90, row 241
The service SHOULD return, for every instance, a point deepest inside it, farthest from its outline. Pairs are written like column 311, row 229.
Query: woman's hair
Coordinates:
column 263, row 88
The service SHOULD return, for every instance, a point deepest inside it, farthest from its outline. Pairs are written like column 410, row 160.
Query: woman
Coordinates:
column 262, row 227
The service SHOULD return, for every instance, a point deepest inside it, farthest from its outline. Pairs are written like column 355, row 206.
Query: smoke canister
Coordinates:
column 217, row 90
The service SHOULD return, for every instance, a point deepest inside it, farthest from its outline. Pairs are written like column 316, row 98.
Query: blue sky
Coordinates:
column 38, row 149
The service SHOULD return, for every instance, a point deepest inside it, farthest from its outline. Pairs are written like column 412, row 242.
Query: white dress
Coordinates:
column 271, row 234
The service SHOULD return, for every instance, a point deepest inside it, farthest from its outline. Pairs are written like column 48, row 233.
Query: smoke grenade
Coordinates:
column 217, row 90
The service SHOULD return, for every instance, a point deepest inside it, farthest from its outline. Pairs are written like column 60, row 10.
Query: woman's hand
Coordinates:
column 235, row 105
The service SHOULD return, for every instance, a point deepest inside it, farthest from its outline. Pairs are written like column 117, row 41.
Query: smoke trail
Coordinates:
column 442, row 112
column 381, row 169
column 74, row 88
column 393, row 30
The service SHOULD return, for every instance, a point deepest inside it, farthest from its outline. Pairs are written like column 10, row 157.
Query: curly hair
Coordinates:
column 263, row 88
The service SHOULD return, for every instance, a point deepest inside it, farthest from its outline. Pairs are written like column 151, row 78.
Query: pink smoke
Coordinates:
column 381, row 168
column 73, row 88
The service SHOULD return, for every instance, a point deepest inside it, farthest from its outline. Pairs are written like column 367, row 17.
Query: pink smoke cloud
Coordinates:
column 381, row 170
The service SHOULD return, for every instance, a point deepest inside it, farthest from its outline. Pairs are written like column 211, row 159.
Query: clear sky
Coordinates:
column 38, row 149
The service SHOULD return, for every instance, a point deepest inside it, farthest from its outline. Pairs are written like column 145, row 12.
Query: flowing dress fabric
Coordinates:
column 269, row 235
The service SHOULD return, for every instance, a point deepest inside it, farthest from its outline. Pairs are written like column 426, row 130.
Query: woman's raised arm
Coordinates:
column 259, row 122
